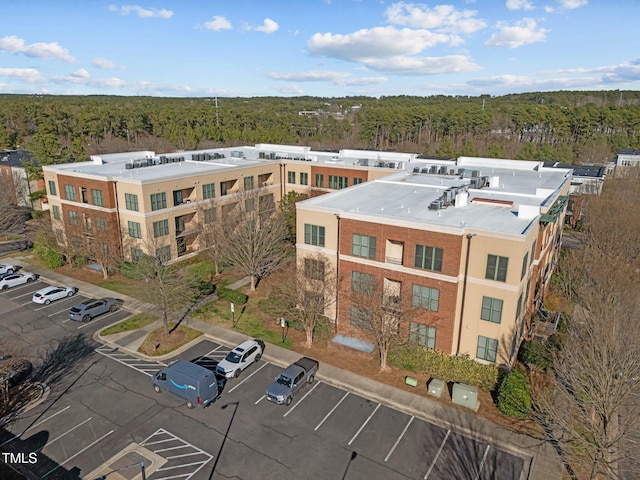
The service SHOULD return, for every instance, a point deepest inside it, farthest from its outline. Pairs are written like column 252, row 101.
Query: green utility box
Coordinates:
column 413, row 382
column 435, row 387
column 465, row 395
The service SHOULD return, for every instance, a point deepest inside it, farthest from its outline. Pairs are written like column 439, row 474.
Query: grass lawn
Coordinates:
column 250, row 322
column 157, row 343
column 137, row 321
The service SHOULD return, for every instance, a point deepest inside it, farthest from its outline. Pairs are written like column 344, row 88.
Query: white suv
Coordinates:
column 240, row 358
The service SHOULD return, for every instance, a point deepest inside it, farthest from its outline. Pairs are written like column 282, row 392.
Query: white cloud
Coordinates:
column 379, row 42
column 441, row 17
column 29, row 75
column 103, row 63
column 572, row 4
column 269, row 26
column 80, row 73
column 521, row 33
column 519, row 5
column 46, row 51
column 218, row 23
column 337, row 78
column 142, row 12
column 423, row 65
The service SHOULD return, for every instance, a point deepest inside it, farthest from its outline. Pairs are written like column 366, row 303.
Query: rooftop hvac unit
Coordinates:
column 424, row 170
column 452, row 171
column 433, row 169
column 485, row 181
column 460, row 171
column 443, row 170
column 416, row 169
column 475, row 173
column 260, row 155
column 435, row 205
column 449, row 195
column 180, row 159
column 475, row 182
column 149, row 162
column 128, row 166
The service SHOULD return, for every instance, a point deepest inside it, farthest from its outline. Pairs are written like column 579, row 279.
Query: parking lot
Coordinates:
column 327, row 432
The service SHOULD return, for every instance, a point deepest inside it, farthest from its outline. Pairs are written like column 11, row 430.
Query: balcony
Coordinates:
column 186, row 195
column 394, row 260
column 394, row 252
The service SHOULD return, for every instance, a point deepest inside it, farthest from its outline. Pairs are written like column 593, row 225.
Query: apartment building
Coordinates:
column 157, row 204
column 472, row 243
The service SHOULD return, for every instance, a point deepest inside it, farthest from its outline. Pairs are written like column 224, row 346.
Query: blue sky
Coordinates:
column 328, row 48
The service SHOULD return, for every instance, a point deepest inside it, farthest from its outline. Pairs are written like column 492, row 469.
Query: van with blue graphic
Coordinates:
column 193, row 383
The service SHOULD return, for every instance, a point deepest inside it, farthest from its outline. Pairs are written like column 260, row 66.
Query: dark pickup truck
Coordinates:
column 291, row 380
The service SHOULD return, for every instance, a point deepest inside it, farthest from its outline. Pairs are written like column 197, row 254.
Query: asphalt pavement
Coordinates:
column 546, row 464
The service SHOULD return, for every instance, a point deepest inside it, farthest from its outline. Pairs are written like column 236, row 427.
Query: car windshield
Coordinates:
column 233, row 357
column 74, row 310
column 286, row 381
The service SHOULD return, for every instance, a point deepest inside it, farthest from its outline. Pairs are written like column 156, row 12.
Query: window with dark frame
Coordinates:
column 428, row 258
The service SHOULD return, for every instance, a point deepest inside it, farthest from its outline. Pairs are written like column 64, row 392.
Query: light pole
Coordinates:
column 139, row 464
column 464, row 290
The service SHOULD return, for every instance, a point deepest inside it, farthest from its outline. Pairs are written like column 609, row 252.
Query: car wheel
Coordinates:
column 311, row 378
column 236, row 373
column 113, row 308
column 29, row 280
column 47, row 301
column 4, row 287
column 189, row 404
column 156, row 388
column 86, row 318
column 70, row 294
column 288, row 401
column 257, row 358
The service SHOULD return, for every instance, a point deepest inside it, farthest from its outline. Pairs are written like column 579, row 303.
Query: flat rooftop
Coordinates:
column 507, row 200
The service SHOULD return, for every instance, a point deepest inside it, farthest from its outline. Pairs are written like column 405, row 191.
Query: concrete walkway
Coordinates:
column 545, row 465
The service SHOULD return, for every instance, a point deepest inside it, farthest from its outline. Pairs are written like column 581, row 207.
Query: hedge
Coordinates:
column 449, row 368
column 514, row 396
column 232, row 296
column 48, row 255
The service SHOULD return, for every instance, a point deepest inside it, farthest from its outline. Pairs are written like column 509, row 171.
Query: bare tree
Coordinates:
column 254, row 235
column 166, row 286
column 211, row 233
column 11, row 216
column 309, row 295
column 593, row 408
column 103, row 245
column 380, row 310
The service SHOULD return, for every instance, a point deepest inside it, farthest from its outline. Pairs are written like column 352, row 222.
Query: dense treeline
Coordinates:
column 572, row 127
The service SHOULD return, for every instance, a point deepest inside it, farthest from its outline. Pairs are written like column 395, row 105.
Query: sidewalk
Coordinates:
column 545, row 465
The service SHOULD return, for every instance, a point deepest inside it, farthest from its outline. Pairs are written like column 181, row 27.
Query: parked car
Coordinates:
column 51, row 294
column 6, row 268
column 291, row 380
column 88, row 310
column 240, row 358
column 15, row 279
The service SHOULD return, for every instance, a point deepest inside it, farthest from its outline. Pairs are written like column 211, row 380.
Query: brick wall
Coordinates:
column 444, row 319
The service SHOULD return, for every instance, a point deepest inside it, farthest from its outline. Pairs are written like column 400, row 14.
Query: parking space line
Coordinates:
column 26, row 303
column 331, row 411
column 248, row 377
column 364, row 425
column 57, row 313
column 435, row 459
column 301, row 400
column 62, row 435
column 399, row 438
column 34, row 426
column 260, row 399
column 183, row 455
column 207, row 354
column 185, row 444
column 23, row 295
column 484, row 458
column 78, row 453
column 113, row 355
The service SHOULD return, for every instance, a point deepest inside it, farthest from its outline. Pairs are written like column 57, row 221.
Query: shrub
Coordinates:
column 534, row 353
column 48, row 255
column 514, row 396
column 449, row 368
column 232, row 296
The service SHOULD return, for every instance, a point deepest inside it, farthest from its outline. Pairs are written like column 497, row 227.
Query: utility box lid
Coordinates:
column 435, row 387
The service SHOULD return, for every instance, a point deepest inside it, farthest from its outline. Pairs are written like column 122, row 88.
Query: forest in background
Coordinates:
column 566, row 126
